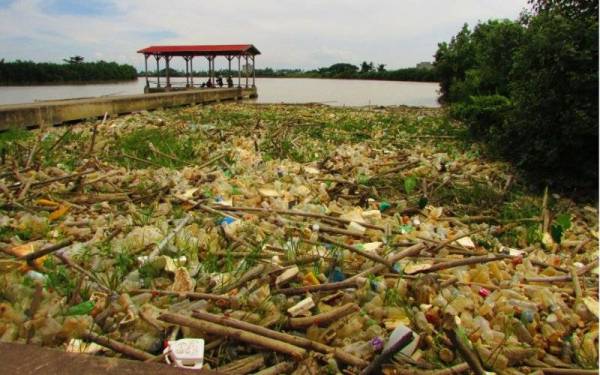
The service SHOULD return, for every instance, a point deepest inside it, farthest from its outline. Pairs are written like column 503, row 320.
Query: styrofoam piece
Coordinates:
column 185, row 353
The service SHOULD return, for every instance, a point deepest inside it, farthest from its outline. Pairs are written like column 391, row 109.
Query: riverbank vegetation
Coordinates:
column 73, row 71
column 530, row 89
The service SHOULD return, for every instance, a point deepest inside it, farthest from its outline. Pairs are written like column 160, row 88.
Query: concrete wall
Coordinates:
column 56, row 112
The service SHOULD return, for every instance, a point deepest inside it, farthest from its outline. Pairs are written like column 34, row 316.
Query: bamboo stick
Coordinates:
column 371, row 256
column 235, row 334
column 190, row 295
column 460, row 262
column 392, row 258
column 348, row 283
column 45, row 251
column 324, row 318
column 564, row 278
column 388, row 353
column 280, row 368
column 295, row 213
column 285, row 337
column 468, row 355
column 119, row 347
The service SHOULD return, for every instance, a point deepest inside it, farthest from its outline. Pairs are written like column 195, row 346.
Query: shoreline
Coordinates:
column 67, row 83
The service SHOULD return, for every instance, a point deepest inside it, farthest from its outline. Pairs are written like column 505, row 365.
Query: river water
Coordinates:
column 270, row 90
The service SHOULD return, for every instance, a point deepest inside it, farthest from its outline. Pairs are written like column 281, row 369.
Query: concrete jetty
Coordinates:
column 49, row 113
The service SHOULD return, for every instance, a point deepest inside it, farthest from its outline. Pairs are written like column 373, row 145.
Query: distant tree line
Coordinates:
column 339, row 71
column 369, row 71
column 74, row 70
column 530, row 89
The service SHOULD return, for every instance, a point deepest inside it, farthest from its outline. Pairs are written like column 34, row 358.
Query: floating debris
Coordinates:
column 290, row 239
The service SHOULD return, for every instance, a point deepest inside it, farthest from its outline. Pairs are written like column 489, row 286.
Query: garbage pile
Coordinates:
column 292, row 239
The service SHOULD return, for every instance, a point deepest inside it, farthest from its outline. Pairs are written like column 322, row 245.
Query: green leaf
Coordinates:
column 406, row 228
column 362, row 179
column 556, row 231
column 410, row 183
column 423, row 202
column 83, row 308
column 564, row 220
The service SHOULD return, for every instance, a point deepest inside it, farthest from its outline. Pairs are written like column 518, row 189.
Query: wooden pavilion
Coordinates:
column 230, row 51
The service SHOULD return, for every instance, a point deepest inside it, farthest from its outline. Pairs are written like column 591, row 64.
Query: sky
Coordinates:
column 303, row 34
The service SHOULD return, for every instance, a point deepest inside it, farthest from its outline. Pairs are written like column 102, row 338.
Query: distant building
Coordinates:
column 425, row 65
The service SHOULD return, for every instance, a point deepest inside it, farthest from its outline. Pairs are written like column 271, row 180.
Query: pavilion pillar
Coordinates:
column 253, row 72
column 239, row 71
column 146, row 69
column 187, row 71
column 213, row 75
column 167, row 59
column 191, row 71
column 229, row 58
column 210, row 68
column 157, row 57
column 246, row 69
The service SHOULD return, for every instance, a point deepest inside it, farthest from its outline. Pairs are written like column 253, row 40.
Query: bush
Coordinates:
column 530, row 88
column 554, row 86
column 484, row 115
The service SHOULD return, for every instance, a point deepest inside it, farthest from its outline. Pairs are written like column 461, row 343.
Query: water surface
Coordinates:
column 270, row 90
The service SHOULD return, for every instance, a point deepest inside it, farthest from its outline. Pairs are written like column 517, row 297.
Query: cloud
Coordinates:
column 303, row 34
column 79, row 8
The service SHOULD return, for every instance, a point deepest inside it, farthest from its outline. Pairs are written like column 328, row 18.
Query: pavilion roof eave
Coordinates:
column 202, row 50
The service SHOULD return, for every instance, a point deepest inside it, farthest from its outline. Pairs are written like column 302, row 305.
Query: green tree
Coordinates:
column 554, row 89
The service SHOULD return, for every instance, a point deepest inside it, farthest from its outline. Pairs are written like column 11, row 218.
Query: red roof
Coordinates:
column 202, row 50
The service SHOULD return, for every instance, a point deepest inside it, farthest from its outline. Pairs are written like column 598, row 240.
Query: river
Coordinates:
column 270, row 90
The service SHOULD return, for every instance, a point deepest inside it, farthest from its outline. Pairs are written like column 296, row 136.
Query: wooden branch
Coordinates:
column 324, row 318
column 211, row 161
column 291, row 339
column 242, row 366
column 190, row 295
column 388, row 353
column 392, row 258
column 567, row 371
column 117, row 346
column 162, row 244
column 454, row 239
column 94, row 131
column 141, row 160
column 69, row 129
column 55, row 179
column 366, row 254
column 295, row 213
column 468, row 355
column 251, row 274
column 45, row 251
column 564, row 278
column 280, row 368
column 576, row 284
column 235, row 334
column 69, row 262
column 32, row 154
column 348, row 283
column 454, row 370
column 460, row 262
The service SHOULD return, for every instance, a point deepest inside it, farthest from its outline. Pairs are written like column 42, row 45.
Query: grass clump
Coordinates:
column 154, row 147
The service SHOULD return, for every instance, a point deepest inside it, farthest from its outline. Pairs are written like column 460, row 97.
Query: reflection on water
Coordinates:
column 270, row 90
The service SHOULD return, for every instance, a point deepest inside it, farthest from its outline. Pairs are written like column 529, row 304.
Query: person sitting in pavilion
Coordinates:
column 229, row 81
column 220, row 80
column 209, row 83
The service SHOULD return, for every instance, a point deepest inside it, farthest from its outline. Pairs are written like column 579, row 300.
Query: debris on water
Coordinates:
column 290, row 239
